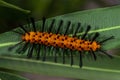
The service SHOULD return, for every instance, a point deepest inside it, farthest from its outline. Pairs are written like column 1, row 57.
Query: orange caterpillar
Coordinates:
column 62, row 41
column 36, row 39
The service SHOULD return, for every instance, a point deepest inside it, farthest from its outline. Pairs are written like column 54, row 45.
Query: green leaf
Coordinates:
column 8, row 5
column 9, row 76
column 107, row 22
column 104, row 69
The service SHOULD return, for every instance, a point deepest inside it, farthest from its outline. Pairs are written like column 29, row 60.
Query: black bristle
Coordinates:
column 28, row 21
column 63, row 56
column 18, row 32
column 10, row 48
column 23, row 49
column 104, row 52
column 68, row 25
column 112, row 37
column 23, row 29
column 87, row 30
column 71, row 58
column 78, row 26
column 55, row 59
column 26, row 46
column 94, row 56
column 80, row 62
column 44, row 54
column 51, row 26
column 30, row 51
column 95, row 36
column 33, row 23
column 38, row 52
column 43, row 25
column 58, row 29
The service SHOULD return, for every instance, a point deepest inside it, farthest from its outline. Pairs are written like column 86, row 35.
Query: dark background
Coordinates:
column 10, row 18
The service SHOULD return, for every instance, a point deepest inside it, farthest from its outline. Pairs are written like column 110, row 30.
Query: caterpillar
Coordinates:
column 34, row 39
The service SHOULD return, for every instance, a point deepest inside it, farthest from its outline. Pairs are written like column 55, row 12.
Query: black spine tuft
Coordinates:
column 87, row 30
column 44, row 54
column 18, row 32
column 104, row 52
column 23, row 29
column 72, row 61
column 10, row 48
column 95, row 36
column 61, row 23
column 55, row 59
column 51, row 26
column 112, row 37
column 68, row 25
column 43, row 25
column 33, row 23
column 78, row 26
column 81, row 62
column 64, row 51
column 30, row 51
column 23, row 49
column 94, row 56
column 38, row 52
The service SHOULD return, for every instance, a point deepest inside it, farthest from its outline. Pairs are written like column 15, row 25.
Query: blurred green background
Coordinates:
column 10, row 18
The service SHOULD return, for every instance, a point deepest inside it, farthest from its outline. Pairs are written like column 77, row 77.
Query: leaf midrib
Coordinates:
column 65, row 65
column 99, row 30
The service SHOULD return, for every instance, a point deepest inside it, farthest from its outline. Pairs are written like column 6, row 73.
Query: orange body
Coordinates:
column 62, row 41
